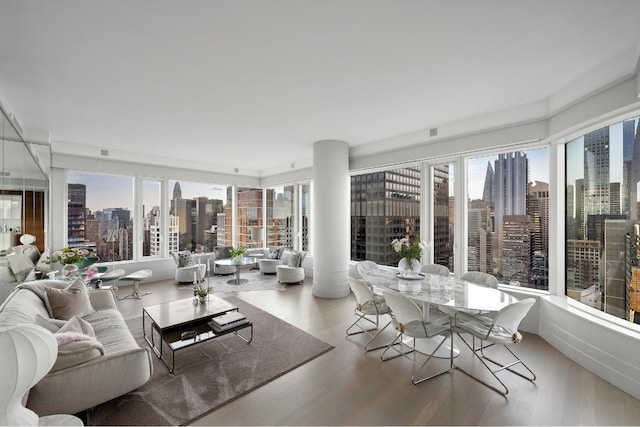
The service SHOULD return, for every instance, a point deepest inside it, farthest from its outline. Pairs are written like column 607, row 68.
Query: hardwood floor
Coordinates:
column 349, row 387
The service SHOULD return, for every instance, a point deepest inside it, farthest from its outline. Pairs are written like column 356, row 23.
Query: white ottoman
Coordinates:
column 137, row 277
column 286, row 274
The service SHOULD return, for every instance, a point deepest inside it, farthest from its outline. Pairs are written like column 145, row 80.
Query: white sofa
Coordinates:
column 78, row 384
column 188, row 272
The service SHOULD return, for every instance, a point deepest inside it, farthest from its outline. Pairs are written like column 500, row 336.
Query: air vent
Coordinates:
column 293, row 165
column 236, row 170
column 433, row 132
column 5, row 173
column 104, row 153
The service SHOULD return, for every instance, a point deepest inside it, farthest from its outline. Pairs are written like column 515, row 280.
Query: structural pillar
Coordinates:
column 330, row 219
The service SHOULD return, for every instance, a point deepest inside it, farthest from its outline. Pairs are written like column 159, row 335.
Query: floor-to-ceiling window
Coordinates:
column 508, row 217
column 602, row 220
column 305, row 215
column 280, row 216
column 197, row 216
column 99, row 214
column 385, row 205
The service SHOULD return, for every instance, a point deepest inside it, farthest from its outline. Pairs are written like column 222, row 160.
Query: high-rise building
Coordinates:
column 442, row 245
column 583, row 267
column 511, row 192
column 540, row 192
column 615, row 232
column 632, row 269
column 384, row 206
column 516, row 249
column 627, row 192
column 580, row 221
column 489, row 179
column 597, row 191
column 76, row 211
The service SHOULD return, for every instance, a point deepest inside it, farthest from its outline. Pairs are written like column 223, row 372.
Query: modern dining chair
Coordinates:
column 480, row 278
column 501, row 329
column 436, row 269
column 408, row 320
column 364, row 267
column 367, row 305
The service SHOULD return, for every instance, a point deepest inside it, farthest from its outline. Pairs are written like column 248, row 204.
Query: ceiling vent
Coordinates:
column 3, row 173
column 104, row 153
column 236, row 170
column 433, row 132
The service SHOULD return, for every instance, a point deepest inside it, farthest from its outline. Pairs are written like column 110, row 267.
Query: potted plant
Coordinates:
column 238, row 253
column 201, row 293
column 410, row 253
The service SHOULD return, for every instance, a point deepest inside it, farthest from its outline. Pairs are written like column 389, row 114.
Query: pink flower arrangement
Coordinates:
column 70, row 255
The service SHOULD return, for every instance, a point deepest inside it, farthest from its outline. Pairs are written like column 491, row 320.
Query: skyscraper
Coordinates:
column 384, row 206
column 597, row 192
column 442, row 247
column 76, row 208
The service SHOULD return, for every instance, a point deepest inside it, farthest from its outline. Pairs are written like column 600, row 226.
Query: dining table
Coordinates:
column 439, row 291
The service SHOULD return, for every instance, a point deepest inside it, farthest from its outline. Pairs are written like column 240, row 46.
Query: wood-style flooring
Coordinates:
column 347, row 386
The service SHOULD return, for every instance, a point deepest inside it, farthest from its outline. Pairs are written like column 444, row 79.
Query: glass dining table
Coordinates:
column 440, row 291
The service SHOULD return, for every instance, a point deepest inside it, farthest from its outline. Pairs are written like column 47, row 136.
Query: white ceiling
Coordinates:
column 252, row 85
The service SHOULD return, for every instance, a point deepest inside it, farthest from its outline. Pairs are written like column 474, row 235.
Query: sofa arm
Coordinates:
column 102, row 299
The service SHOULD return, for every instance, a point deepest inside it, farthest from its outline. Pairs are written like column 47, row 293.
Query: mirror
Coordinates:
column 23, row 189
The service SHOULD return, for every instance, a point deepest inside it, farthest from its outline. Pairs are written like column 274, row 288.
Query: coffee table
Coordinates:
column 170, row 319
column 237, row 263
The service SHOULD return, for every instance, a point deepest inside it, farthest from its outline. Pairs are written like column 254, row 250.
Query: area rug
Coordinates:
column 211, row 374
column 256, row 282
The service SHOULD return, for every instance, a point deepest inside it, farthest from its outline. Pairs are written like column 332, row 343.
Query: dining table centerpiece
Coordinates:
column 410, row 252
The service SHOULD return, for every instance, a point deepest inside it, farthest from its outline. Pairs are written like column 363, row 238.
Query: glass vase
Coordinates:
column 409, row 267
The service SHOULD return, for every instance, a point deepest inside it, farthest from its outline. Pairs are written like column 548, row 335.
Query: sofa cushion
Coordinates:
column 185, row 259
column 69, row 302
column 79, row 325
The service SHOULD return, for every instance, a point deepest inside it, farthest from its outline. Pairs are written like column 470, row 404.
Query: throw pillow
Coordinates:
column 295, row 259
column 77, row 325
column 20, row 265
column 285, row 257
column 274, row 253
column 185, row 259
column 71, row 301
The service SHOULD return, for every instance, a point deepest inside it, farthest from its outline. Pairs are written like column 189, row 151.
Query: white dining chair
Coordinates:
column 501, row 329
column 480, row 278
column 364, row 267
column 436, row 269
column 408, row 321
column 367, row 305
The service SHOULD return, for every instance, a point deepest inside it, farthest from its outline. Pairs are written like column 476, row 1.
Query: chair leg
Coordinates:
column 532, row 378
column 418, row 381
column 502, row 392
column 362, row 330
column 366, row 346
column 397, row 341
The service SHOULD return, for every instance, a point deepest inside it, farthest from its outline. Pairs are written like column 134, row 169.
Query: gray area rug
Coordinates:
column 211, row 374
column 256, row 282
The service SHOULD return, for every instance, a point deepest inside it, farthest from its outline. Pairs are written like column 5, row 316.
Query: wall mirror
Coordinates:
column 23, row 188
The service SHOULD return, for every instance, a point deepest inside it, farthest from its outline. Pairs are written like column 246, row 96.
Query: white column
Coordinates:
column 330, row 219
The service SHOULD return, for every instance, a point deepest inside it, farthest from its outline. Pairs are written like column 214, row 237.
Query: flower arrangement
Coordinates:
column 201, row 291
column 67, row 256
column 406, row 249
column 238, row 252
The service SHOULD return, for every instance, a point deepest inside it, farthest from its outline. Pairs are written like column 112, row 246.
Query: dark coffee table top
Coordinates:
column 184, row 311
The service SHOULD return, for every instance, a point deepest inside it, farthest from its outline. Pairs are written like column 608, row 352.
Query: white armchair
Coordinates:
column 290, row 270
column 187, row 270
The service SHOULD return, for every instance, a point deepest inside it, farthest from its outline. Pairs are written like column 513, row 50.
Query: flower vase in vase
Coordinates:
column 409, row 267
